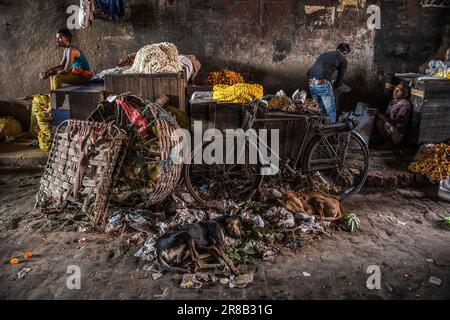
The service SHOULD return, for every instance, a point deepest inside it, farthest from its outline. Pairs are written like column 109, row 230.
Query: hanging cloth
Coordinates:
column 86, row 13
column 113, row 9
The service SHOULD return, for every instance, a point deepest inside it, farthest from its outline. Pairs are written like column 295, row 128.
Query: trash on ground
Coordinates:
column 148, row 251
column 22, row 273
column 156, row 276
column 190, row 281
column 435, row 281
column 240, row 281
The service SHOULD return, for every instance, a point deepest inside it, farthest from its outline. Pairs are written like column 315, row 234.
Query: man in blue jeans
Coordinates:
column 321, row 74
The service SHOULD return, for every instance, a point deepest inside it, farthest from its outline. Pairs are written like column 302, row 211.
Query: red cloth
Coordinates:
column 134, row 116
column 84, row 73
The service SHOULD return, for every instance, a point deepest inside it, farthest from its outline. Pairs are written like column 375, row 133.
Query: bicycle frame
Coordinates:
column 312, row 122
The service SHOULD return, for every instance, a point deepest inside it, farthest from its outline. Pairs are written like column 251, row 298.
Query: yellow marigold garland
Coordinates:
column 237, row 93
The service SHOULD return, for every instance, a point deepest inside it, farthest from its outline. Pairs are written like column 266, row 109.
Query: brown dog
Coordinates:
column 314, row 202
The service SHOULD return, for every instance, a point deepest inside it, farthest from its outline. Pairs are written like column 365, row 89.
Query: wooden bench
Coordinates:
column 79, row 101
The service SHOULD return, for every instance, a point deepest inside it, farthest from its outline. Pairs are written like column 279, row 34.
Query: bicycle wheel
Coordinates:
column 337, row 163
column 222, row 181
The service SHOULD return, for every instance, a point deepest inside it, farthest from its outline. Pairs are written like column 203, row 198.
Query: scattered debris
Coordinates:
column 280, row 217
column 258, row 222
column 165, row 292
column 190, row 281
column 187, row 197
column 156, row 276
column 401, row 223
column 435, row 281
column 306, row 274
column 148, row 251
column 447, row 220
column 240, row 281
column 22, row 273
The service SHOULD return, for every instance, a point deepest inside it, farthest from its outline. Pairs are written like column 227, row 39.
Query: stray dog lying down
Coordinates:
column 313, row 202
column 175, row 249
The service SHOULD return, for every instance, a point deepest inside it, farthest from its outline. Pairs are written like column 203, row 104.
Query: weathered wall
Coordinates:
column 275, row 41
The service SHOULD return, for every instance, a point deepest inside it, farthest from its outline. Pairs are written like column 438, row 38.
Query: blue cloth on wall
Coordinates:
column 114, row 9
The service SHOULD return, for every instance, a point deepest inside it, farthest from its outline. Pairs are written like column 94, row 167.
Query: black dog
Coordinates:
column 176, row 247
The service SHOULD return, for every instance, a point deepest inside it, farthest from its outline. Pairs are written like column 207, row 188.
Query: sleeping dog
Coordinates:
column 175, row 248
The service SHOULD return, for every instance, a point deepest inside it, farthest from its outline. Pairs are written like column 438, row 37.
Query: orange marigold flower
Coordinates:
column 15, row 261
column 27, row 255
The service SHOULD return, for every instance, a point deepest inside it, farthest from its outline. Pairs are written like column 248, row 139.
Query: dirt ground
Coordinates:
column 400, row 232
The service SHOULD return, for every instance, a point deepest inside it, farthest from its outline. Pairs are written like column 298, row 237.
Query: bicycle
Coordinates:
column 335, row 161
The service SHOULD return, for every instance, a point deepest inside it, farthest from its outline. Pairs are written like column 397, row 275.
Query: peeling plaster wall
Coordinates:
column 273, row 41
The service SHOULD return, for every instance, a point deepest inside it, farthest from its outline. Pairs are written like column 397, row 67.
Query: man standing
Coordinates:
column 74, row 67
column 320, row 76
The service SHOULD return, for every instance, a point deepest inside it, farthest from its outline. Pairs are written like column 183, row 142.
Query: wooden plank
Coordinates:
column 418, row 93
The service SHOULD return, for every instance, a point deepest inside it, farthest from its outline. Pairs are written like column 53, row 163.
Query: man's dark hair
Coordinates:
column 66, row 33
column 343, row 47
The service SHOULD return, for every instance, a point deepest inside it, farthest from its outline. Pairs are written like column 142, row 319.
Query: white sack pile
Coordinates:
column 156, row 58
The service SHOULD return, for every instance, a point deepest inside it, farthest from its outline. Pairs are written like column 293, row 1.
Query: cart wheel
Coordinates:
column 337, row 163
column 221, row 181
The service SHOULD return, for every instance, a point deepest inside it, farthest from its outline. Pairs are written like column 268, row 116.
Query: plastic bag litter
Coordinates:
column 148, row 251
column 136, row 220
column 115, row 222
column 280, row 217
column 240, row 281
column 22, row 273
column 189, row 281
column 444, row 189
column 184, row 216
column 299, row 97
column 312, row 228
column 304, row 217
column 162, row 227
column 258, row 222
column 435, row 281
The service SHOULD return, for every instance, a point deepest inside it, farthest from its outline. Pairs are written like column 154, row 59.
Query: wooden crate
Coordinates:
column 430, row 119
column 150, row 86
column 291, row 129
column 217, row 115
column 80, row 101
column 224, row 116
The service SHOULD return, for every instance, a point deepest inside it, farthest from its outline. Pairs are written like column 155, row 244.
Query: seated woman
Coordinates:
column 74, row 68
column 394, row 122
